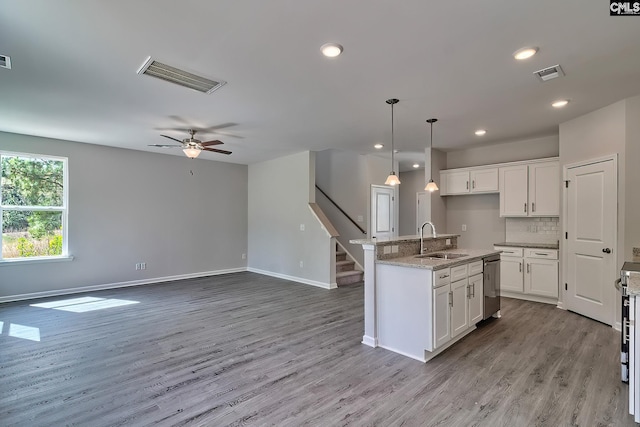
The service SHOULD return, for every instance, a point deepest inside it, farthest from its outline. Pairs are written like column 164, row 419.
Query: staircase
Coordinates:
column 346, row 273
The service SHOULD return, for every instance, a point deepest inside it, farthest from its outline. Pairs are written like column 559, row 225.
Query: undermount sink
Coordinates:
column 441, row 255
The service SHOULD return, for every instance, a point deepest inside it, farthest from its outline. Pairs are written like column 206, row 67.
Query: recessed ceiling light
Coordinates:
column 481, row 132
column 378, row 146
column 560, row 103
column 525, row 52
column 331, row 49
column 416, row 165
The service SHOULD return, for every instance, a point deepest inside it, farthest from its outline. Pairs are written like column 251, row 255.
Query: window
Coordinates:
column 33, row 206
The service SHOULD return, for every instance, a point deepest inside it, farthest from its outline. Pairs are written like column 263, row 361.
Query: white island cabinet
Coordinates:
column 421, row 312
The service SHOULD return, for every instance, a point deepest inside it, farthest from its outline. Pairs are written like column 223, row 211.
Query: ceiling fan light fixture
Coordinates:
column 192, row 152
column 392, row 179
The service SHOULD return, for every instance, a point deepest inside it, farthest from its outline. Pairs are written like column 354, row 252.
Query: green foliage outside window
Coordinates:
column 31, row 182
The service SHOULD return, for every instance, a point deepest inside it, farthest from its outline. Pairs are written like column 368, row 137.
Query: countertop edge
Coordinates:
column 529, row 245
column 430, row 264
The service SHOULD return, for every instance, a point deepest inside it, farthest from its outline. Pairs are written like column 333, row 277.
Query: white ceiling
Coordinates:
column 74, row 67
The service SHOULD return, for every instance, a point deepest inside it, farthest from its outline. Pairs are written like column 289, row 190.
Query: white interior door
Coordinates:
column 591, row 202
column 382, row 212
column 423, row 211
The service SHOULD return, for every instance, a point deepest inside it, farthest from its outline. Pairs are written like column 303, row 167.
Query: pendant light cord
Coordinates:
column 392, row 149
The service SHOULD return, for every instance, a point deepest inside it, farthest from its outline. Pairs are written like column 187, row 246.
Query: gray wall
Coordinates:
column 412, row 183
column 481, row 213
column 279, row 194
column 129, row 206
column 632, row 178
column 347, row 178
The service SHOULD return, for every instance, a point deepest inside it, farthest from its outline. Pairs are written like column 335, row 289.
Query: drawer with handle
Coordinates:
column 441, row 277
column 509, row 251
column 541, row 253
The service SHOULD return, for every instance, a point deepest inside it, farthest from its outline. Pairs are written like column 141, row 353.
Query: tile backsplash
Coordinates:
column 533, row 230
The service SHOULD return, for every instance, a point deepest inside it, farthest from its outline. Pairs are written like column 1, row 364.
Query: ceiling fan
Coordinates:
column 193, row 147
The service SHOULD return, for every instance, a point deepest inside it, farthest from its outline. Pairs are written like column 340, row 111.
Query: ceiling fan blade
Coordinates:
column 163, row 145
column 170, row 137
column 215, row 150
column 214, row 142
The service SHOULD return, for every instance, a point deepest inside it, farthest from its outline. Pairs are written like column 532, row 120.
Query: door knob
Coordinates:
column 606, row 250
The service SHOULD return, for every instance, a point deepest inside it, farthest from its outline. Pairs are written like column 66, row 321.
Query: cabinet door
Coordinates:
column 513, row 191
column 544, row 189
column 484, row 181
column 441, row 310
column 476, row 298
column 458, row 182
column 541, row 277
column 459, row 307
column 511, row 277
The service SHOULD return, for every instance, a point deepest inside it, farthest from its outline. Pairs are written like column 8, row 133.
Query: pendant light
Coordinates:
column 392, row 179
column 431, row 186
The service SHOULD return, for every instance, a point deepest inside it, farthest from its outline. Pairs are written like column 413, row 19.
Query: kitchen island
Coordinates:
column 419, row 306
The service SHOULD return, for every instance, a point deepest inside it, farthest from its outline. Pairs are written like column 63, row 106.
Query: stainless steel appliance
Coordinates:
column 628, row 269
column 491, row 286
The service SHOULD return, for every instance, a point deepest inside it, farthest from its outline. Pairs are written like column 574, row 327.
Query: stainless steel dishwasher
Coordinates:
column 491, row 286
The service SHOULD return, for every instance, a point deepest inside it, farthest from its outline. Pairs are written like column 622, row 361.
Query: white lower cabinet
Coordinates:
column 476, row 298
column 441, row 315
column 459, row 307
column 529, row 273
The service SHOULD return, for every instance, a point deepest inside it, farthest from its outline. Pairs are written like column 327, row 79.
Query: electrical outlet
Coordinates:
column 301, row 227
column 244, row 256
column 448, row 242
column 464, row 227
column 301, row 264
column 387, row 250
column 394, row 249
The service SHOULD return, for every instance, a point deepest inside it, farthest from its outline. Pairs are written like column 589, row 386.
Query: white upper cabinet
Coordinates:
column 469, row 181
column 544, row 189
column 530, row 190
column 514, row 200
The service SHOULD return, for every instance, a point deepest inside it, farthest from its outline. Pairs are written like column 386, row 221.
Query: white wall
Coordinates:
column 347, row 178
column 438, row 203
column 632, row 179
column 278, row 204
column 129, row 206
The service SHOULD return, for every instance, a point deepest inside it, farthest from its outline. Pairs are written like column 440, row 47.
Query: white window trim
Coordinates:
column 64, row 209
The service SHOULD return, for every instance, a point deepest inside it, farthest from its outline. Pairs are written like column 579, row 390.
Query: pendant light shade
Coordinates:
column 392, row 179
column 431, row 186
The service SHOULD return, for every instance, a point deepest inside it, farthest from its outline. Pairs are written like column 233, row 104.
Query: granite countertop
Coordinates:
column 529, row 245
column 633, row 282
column 401, row 239
column 439, row 264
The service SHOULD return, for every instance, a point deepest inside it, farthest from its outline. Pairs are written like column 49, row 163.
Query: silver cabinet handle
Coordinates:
column 525, row 207
column 520, row 267
column 444, row 276
column 468, row 291
column 474, row 290
column 451, row 299
column 467, row 185
column 542, row 253
column 533, row 207
column 528, row 267
column 473, row 183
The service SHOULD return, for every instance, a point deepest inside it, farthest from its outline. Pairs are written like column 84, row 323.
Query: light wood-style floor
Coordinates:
column 245, row 349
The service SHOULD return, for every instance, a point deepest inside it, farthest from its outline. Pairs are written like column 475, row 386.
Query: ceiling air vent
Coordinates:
column 549, row 73
column 5, row 62
column 171, row 74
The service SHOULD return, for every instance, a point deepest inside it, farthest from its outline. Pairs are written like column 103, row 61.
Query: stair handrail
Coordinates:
column 341, row 210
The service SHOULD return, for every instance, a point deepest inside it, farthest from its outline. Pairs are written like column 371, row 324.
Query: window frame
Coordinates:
column 64, row 209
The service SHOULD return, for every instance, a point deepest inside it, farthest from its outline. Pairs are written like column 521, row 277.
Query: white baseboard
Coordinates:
column 105, row 286
column 527, row 297
column 370, row 341
column 294, row 278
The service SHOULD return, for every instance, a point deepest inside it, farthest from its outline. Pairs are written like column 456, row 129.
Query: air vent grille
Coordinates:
column 5, row 62
column 549, row 73
column 180, row 77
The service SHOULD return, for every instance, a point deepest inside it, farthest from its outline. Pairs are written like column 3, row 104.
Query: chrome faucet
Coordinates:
column 421, row 230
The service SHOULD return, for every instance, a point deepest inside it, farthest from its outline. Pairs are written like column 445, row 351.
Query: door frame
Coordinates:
column 615, row 321
column 394, row 204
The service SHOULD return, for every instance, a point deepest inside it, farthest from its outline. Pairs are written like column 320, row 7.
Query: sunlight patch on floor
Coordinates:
column 82, row 305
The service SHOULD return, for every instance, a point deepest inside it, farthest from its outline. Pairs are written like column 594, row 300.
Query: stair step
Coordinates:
column 345, row 265
column 349, row 277
column 341, row 256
